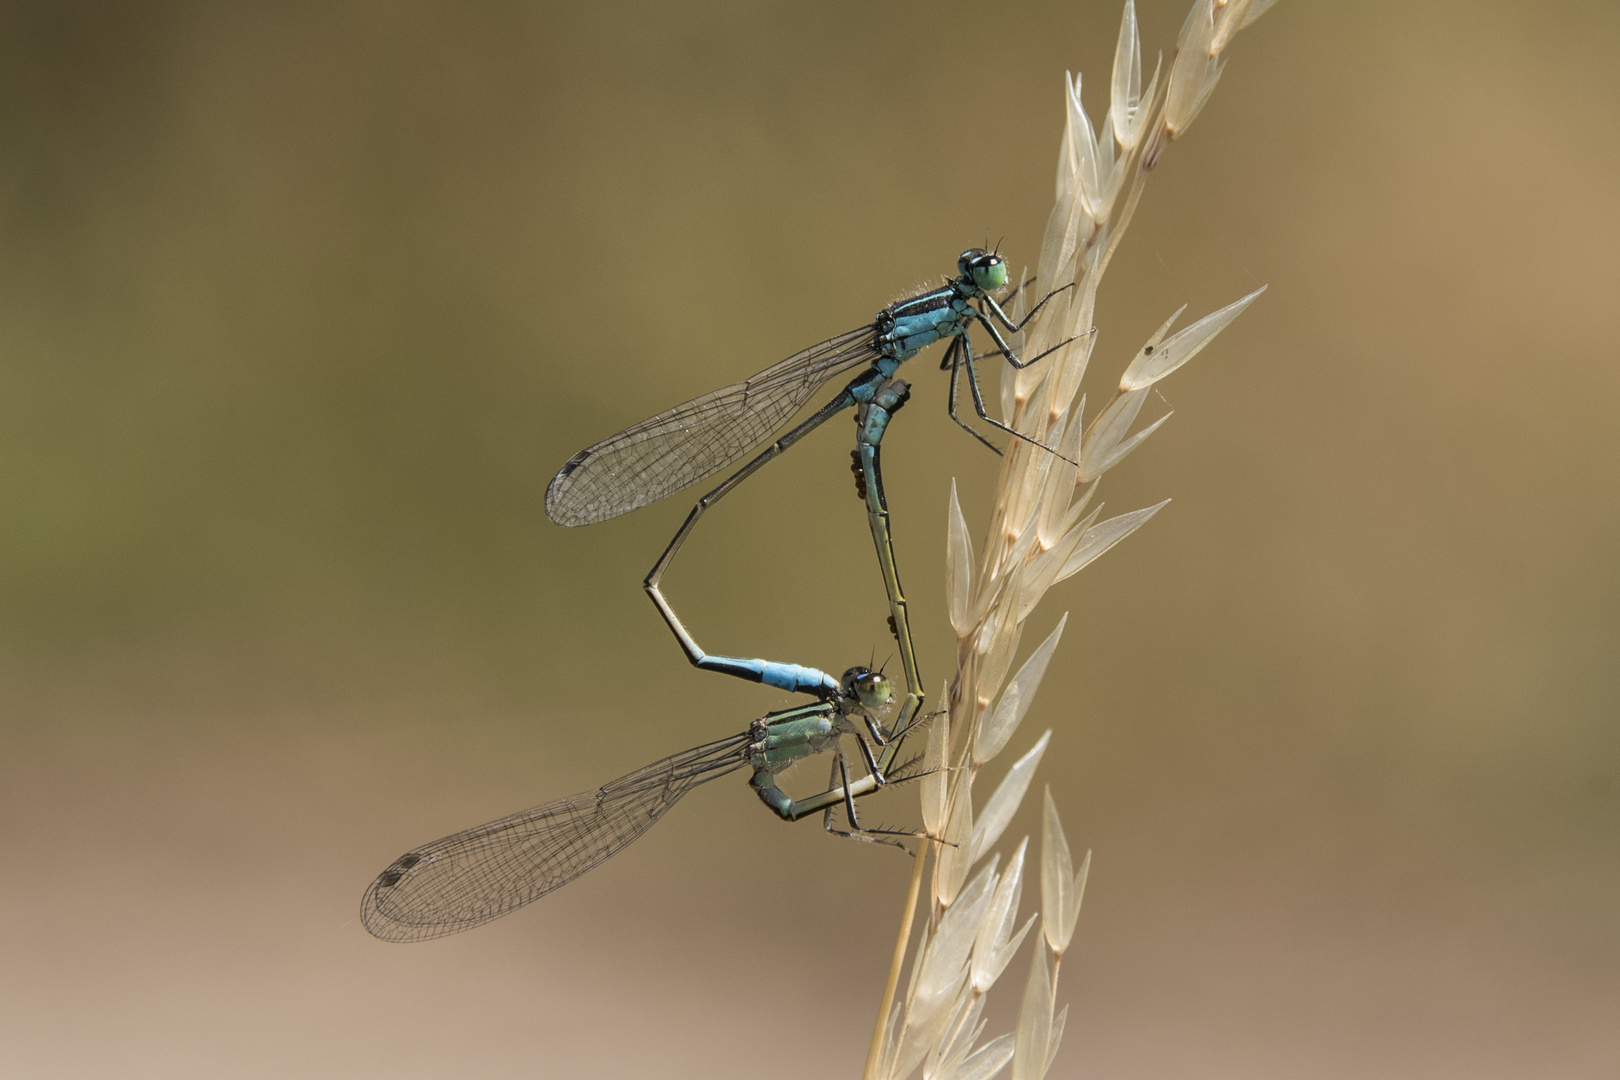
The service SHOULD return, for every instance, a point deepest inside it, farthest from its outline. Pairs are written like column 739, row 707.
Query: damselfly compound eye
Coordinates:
column 989, row 272
column 874, row 690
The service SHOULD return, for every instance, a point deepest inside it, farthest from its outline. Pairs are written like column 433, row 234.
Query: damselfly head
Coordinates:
column 986, row 269
column 871, row 688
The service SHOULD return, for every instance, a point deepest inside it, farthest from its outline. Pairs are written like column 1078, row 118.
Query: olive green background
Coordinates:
column 301, row 306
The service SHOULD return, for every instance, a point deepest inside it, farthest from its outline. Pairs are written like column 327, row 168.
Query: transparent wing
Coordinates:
column 472, row 877
column 680, row 446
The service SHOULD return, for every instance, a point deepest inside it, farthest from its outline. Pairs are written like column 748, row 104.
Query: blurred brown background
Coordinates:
column 301, row 307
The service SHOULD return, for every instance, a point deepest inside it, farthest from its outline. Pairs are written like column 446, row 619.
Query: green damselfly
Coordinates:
column 471, row 877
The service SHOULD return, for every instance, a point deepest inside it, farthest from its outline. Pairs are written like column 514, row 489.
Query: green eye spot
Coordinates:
column 991, row 277
column 873, row 690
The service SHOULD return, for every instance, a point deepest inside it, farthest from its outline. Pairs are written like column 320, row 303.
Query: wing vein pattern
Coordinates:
column 682, row 445
column 480, row 874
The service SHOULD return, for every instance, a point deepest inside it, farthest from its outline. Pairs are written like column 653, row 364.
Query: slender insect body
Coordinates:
column 794, row 678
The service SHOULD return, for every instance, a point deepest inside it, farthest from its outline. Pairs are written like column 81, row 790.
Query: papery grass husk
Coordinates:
column 1042, row 529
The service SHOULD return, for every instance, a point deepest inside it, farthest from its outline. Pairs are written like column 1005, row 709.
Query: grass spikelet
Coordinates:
column 998, row 812
column 1041, row 530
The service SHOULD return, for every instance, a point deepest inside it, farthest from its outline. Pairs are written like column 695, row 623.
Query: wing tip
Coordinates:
column 557, row 508
column 385, row 927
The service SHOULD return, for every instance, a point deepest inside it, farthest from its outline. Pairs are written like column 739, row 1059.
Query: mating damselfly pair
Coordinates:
column 473, row 876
